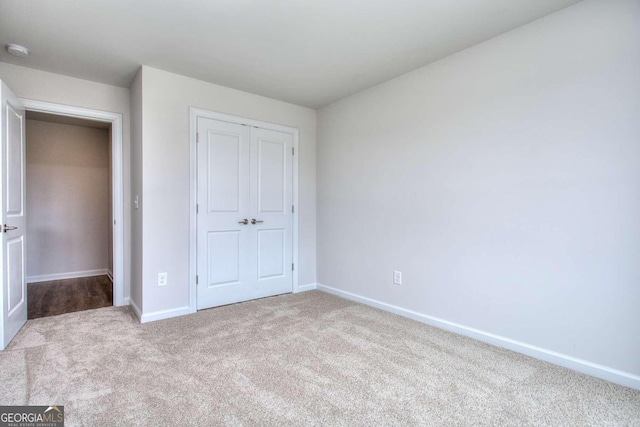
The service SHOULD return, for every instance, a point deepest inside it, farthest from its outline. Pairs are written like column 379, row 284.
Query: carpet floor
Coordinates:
column 303, row 359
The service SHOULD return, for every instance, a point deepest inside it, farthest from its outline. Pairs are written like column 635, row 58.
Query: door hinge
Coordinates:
column 197, row 208
column 196, row 279
column 292, row 209
column 292, row 266
column 197, row 137
column 293, row 151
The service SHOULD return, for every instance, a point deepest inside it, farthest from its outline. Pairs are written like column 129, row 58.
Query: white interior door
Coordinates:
column 244, row 220
column 12, row 177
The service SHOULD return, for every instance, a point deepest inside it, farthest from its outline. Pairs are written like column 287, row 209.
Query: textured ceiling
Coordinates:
column 308, row 52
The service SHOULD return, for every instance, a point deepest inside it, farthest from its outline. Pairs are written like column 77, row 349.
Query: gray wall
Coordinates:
column 68, row 204
column 165, row 169
column 136, row 190
column 504, row 183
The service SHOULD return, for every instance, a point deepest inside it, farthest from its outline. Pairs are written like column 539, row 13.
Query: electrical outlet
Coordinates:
column 162, row 279
column 397, row 277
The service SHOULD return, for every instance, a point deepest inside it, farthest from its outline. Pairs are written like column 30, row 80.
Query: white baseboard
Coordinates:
column 135, row 308
column 600, row 371
column 110, row 274
column 165, row 314
column 63, row 276
column 307, row 287
column 126, row 301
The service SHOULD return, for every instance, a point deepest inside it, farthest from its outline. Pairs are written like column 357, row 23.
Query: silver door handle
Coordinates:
column 255, row 221
column 8, row 228
column 244, row 221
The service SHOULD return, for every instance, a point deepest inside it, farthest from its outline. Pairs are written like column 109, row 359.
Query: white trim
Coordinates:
column 194, row 113
column 63, row 276
column 296, row 210
column 118, row 178
column 307, row 287
column 199, row 112
column 600, row 371
column 165, row 314
column 110, row 274
column 127, row 301
column 193, row 198
column 135, row 308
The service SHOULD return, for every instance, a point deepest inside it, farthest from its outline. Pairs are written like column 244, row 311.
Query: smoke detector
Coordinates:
column 17, row 50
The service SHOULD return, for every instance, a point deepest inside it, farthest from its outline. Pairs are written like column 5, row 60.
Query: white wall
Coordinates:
column 503, row 182
column 68, row 204
column 136, row 191
column 49, row 87
column 166, row 99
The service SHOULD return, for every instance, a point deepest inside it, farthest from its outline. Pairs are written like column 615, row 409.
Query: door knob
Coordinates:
column 255, row 221
column 8, row 228
column 244, row 221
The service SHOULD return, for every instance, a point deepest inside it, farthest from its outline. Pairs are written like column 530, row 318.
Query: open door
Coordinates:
column 13, row 295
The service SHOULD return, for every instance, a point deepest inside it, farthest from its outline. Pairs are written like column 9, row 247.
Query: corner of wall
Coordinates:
column 136, row 288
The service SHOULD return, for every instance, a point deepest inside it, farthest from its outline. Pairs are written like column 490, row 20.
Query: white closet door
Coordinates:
column 244, row 175
column 271, row 201
column 223, row 203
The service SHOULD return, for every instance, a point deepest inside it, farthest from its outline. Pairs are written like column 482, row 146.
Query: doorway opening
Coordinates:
column 69, row 209
column 74, row 204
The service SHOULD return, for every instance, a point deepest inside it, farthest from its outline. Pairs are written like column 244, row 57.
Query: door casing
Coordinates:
column 118, row 179
column 194, row 113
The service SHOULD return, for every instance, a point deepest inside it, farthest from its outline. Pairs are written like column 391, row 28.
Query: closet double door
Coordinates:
column 244, row 213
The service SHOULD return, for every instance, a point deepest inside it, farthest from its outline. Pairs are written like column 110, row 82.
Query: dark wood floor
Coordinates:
column 65, row 296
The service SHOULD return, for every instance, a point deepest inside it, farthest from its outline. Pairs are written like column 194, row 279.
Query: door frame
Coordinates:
column 117, row 183
column 194, row 114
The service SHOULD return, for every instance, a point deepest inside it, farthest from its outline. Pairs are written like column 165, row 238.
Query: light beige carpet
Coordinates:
column 305, row 359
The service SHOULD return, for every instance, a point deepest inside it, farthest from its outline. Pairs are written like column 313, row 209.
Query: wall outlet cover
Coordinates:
column 397, row 277
column 162, row 279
